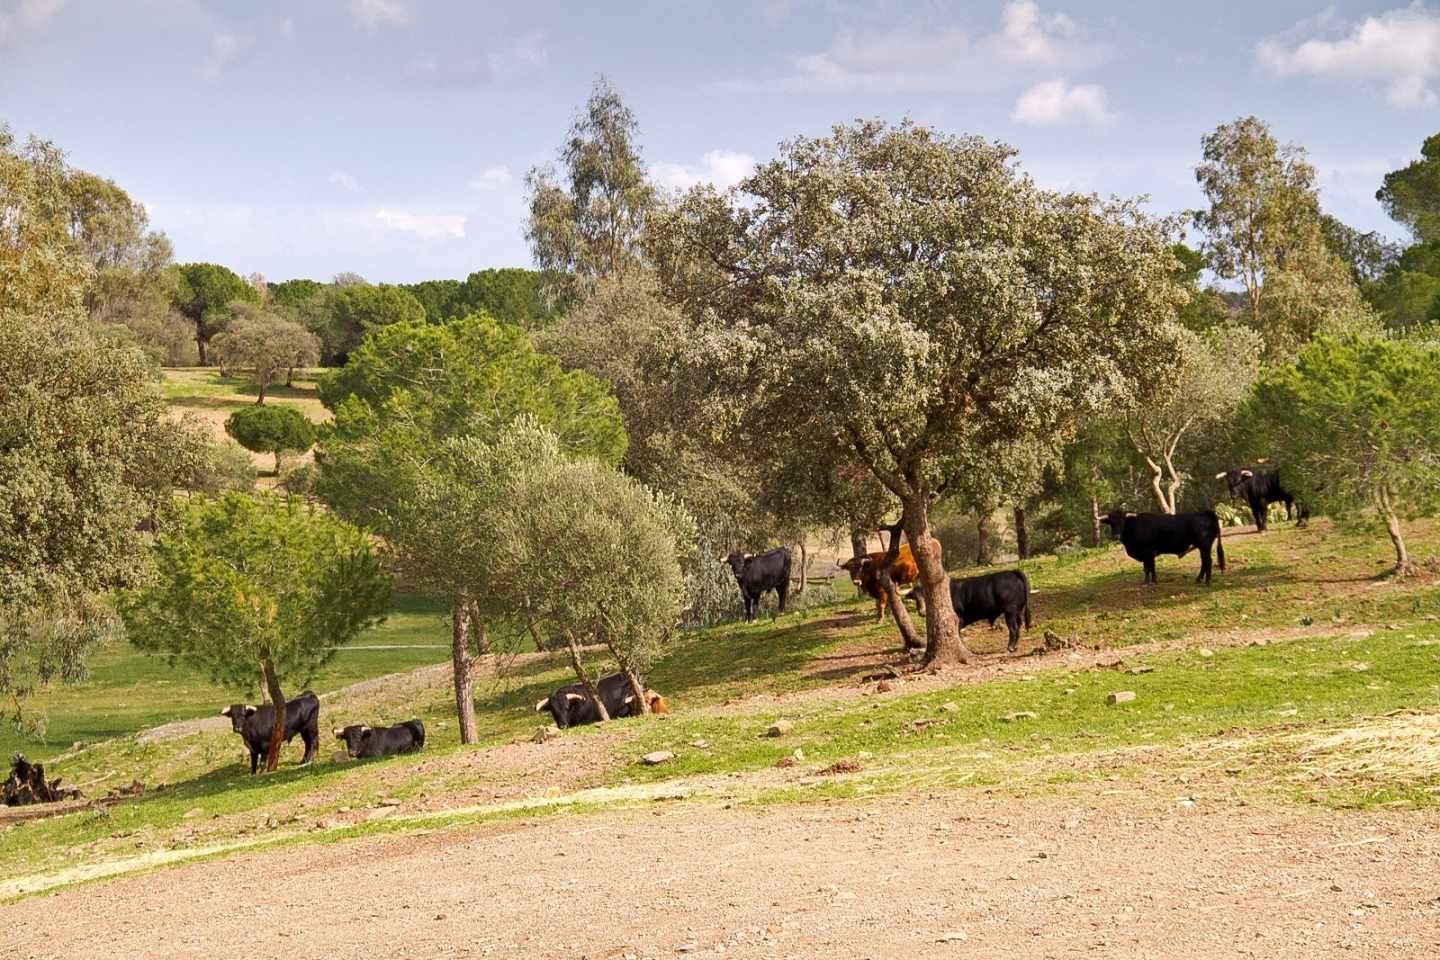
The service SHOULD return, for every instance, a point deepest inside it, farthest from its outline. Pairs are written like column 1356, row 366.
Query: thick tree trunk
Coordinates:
column 857, row 544
column 260, row 395
column 943, row 645
column 574, row 647
column 1022, row 534
column 202, row 345
column 1386, row 502
column 277, row 700
column 464, row 666
column 908, row 635
column 984, row 554
column 804, row 567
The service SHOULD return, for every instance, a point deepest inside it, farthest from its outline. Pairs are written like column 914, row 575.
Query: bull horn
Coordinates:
column 574, row 696
column 249, row 710
column 335, row 732
column 629, row 699
column 1221, row 475
column 364, row 729
column 1130, row 514
column 1262, row 460
column 542, row 704
column 225, row 712
column 1247, row 473
column 749, row 556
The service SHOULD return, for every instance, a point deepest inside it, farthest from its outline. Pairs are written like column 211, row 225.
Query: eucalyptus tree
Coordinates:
column 896, row 297
column 587, row 219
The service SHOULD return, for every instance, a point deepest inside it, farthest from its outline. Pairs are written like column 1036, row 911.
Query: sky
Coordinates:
column 391, row 138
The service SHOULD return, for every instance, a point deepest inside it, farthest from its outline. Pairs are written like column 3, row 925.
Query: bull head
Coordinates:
column 541, row 705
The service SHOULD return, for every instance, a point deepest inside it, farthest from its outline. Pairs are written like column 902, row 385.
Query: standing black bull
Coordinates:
column 256, row 724
column 365, row 741
column 1147, row 535
column 991, row 596
column 1259, row 488
column 571, row 706
column 758, row 573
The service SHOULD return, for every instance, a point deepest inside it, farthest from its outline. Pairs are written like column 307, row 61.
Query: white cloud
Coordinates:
column 493, row 178
column 374, row 14
column 345, row 181
column 19, row 18
column 226, row 49
column 1399, row 48
column 525, row 55
column 1058, row 103
column 945, row 59
column 287, row 28
column 723, row 168
column 426, row 226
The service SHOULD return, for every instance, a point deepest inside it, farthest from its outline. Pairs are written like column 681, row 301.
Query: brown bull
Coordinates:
column 865, row 574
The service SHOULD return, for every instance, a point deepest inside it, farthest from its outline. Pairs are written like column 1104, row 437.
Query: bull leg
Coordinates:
column 919, row 596
column 1150, row 571
column 783, row 591
column 311, row 736
column 1204, row 576
column 1012, row 622
column 1258, row 511
column 254, row 761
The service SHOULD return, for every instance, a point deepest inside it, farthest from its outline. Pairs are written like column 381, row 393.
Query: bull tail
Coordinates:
column 1219, row 544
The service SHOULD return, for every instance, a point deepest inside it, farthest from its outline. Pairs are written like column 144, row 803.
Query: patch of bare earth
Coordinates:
column 1138, row 875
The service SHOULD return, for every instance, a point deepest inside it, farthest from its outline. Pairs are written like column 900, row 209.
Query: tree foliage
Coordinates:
column 203, row 293
column 900, row 298
column 1357, row 424
column 587, row 220
column 1263, row 227
column 1411, row 195
column 247, row 582
column 267, row 344
column 356, row 310
column 274, row 429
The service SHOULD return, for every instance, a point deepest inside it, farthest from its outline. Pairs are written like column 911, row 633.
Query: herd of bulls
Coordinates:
column 989, row 597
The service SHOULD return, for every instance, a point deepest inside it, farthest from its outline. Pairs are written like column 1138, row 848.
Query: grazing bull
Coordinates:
column 366, row 741
column 256, row 724
column 991, row 596
column 757, row 574
column 1147, row 535
column 865, row 574
column 571, row 706
column 1259, row 488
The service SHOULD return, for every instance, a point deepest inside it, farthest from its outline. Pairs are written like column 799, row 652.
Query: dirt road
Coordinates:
column 942, row 877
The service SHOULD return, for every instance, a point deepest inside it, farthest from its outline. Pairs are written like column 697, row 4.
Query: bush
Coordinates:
column 299, row 481
column 225, row 466
column 271, row 429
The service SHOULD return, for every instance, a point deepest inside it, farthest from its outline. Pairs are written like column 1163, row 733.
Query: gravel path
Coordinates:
column 1136, row 875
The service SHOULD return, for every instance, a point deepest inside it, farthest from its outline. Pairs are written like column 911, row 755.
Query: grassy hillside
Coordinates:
column 1282, row 680
column 204, row 395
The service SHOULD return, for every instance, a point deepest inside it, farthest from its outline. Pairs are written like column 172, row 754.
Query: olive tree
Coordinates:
column 896, row 296
column 267, row 344
column 1216, row 370
column 408, row 389
column 247, row 581
column 1357, row 424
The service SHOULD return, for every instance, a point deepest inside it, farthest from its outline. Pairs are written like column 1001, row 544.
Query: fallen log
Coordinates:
column 27, row 785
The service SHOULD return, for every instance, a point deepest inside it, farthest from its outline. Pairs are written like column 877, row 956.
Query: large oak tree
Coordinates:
column 897, row 297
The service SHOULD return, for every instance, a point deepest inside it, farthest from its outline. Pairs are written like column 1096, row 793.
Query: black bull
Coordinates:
column 758, row 573
column 1147, row 535
column 993, row 595
column 366, row 741
column 257, row 724
column 571, row 706
column 1259, row 489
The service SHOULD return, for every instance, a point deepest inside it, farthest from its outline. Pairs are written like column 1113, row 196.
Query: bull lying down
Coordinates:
column 1147, row 535
column 571, row 706
column 256, row 724
column 362, row 741
column 992, row 596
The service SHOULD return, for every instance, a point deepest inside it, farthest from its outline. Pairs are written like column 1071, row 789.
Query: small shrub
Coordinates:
column 225, row 466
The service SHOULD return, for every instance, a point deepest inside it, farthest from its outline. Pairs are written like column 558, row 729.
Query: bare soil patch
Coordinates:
column 1135, row 874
